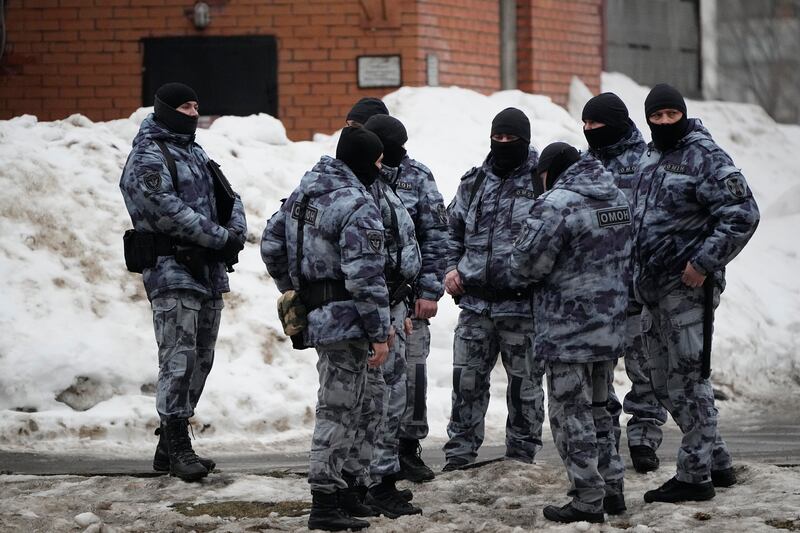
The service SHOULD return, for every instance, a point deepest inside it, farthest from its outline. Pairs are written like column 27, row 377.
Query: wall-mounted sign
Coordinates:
column 379, row 71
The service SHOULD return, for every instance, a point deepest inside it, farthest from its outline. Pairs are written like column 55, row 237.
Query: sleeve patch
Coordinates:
column 375, row 240
column 152, row 180
column 441, row 213
column 736, row 186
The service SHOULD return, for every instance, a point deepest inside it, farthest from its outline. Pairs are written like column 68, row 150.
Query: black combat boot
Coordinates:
column 614, row 504
column 161, row 457
column 386, row 500
column 412, row 467
column 326, row 514
column 183, row 462
column 644, row 459
column 674, row 491
column 351, row 499
column 723, row 478
column 568, row 513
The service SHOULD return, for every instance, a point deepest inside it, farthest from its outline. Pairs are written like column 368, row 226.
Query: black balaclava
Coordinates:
column 392, row 134
column 664, row 96
column 359, row 149
column 509, row 155
column 609, row 109
column 555, row 159
column 365, row 108
column 169, row 97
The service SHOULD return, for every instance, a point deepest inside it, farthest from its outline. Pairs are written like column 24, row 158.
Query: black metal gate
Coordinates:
column 231, row 75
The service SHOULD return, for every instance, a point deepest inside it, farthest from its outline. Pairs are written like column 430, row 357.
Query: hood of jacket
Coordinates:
column 327, row 175
column 588, row 178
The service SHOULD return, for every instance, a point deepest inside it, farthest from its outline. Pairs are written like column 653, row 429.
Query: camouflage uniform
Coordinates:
column 691, row 204
column 414, row 184
column 343, row 240
column 481, row 240
column 576, row 246
column 186, row 309
column 647, row 414
column 402, row 266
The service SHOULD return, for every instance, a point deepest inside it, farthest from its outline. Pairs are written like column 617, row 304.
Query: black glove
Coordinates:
column 229, row 253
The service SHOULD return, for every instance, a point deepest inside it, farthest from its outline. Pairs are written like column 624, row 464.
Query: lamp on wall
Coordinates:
column 201, row 15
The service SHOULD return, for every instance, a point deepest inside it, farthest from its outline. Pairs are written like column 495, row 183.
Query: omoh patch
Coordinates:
column 736, row 186
column 613, row 216
column 152, row 180
column 375, row 240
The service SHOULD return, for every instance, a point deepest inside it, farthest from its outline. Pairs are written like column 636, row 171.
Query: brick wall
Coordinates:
column 559, row 40
column 67, row 56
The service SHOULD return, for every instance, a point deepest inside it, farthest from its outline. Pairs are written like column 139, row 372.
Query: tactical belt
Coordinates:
column 491, row 294
column 318, row 293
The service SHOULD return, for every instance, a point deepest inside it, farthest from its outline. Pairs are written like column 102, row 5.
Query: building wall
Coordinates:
column 558, row 40
column 68, row 56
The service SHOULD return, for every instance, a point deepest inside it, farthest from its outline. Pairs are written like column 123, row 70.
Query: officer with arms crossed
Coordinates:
column 327, row 244
column 576, row 248
column 491, row 204
column 693, row 213
column 618, row 144
column 181, row 244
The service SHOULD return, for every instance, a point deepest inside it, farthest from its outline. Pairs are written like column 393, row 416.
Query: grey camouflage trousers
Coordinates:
column 414, row 424
column 647, row 414
column 673, row 336
column 583, row 431
column 342, row 369
column 478, row 340
column 186, row 324
column 374, row 453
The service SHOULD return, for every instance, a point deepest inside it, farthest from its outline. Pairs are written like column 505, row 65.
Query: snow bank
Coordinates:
column 77, row 353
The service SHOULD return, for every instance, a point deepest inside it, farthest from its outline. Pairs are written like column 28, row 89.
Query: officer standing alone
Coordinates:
column 182, row 246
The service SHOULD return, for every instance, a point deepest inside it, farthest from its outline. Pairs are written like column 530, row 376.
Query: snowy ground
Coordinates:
column 77, row 354
column 500, row 497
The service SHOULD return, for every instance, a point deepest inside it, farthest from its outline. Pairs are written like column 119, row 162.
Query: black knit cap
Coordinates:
column 512, row 121
column 555, row 159
column 359, row 148
column 388, row 129
column 664, row 96
column 176, row 94
column 365, row 108
column 607, row 108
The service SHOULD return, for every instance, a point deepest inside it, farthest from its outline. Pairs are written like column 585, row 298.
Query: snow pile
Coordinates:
column 77, row 353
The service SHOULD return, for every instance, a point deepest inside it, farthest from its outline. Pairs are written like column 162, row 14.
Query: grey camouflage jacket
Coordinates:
column 188, row 214
column 413, row 182
column 576, row 245
column 622, row 159
column 403, row 258
column 343, row 239
column 482, row 233
column 690, row 204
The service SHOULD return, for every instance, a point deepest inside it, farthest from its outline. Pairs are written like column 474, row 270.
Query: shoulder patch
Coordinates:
column 311, row 213
column 613, row 216
column 152, row 180
column 375, row 240
column 630, row 169
column 736, row 186
column 675, row 167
